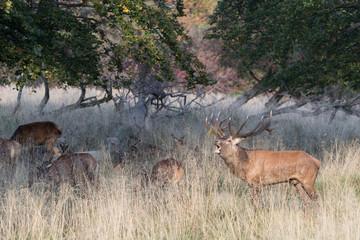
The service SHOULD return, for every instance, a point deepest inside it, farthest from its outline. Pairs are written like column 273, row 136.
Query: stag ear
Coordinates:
column 236, row 140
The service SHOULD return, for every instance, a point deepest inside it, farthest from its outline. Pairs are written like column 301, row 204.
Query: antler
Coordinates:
column 216, row 126
column 256, row 131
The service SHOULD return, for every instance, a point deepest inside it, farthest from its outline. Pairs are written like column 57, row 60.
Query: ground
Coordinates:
column 210, row 203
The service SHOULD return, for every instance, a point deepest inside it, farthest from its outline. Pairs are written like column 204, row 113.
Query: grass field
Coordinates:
column 210, row 203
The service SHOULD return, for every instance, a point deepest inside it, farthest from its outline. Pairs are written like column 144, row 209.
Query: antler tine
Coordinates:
column 229, row 126
column 222, row 120
column 270, row 129
column 244, row 135
column 241, row 127
column 216, row 126
column 264, row 127
column 207, row 123
column 268, row 123
column 218, row 123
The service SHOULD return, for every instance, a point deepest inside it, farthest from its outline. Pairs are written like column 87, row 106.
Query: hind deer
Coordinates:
column 38, row 133
column 35, row 134
column 10, row 151
column 261, row 167
column 166, row 171
column 140, row 149
column 182, row 147
column 74, row 168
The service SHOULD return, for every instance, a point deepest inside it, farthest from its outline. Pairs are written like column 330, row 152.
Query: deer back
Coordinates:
column 141, row 149
column 37, row 133
column 183, row 148
column 167, row 170
column 75, row 168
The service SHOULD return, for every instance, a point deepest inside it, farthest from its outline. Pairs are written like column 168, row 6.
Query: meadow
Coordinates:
column 209, row 203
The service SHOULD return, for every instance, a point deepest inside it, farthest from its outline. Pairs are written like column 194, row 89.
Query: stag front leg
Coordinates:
column 255, row 191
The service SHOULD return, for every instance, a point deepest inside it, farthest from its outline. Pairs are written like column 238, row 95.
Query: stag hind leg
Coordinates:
column 311, row 192
column 304, row 193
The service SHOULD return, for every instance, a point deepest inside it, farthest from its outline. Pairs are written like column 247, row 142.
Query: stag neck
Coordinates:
column 238, row 162
column 241, row 154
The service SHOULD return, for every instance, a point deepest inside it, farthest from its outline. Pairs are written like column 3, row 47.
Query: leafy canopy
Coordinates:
column 79, row 42
column 305, row 45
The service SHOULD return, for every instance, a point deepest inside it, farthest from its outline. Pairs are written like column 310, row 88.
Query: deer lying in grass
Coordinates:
column 167, row 171
column 182, row 147
column 141, row 149
column 163, row 172
column 74, row 168
column 261, row 167
column 10, row 151
column 113, row 150
column 38, row 133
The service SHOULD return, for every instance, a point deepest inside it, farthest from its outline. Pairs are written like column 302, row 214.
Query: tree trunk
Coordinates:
column 140, row 112
column 18, row 100
column 274, row 101
column 82, row 95
column 244, row 98
column 46, row 97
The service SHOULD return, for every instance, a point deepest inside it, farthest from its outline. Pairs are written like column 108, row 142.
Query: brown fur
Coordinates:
column 38, row 133
column 260, row 167
column 10, row 151
column 167, row 170
column 75, row 168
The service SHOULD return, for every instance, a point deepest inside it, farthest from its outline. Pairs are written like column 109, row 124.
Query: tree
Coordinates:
column 41, row 39
column 79, row 43
column 296, row 48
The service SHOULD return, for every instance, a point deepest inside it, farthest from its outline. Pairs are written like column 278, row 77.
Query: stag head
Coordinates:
column 226, row 142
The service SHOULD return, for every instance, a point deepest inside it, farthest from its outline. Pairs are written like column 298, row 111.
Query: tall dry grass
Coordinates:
column 210, row 203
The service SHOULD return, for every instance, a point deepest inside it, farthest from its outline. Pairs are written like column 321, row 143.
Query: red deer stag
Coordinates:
column 74, row 168
column 10, row 151
column 166, row 171
column 38, row 133
column 261, row 167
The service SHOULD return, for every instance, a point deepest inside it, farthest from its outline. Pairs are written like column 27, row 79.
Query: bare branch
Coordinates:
column 330, row 101
column 83, row 102
column 252, row 74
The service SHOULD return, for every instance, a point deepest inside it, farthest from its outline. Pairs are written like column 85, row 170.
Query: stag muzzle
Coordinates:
column 217, row 147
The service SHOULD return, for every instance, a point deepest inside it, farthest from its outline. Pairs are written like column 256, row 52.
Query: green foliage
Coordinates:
column 307, row 45
column 75, row 43
column 48, row 41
